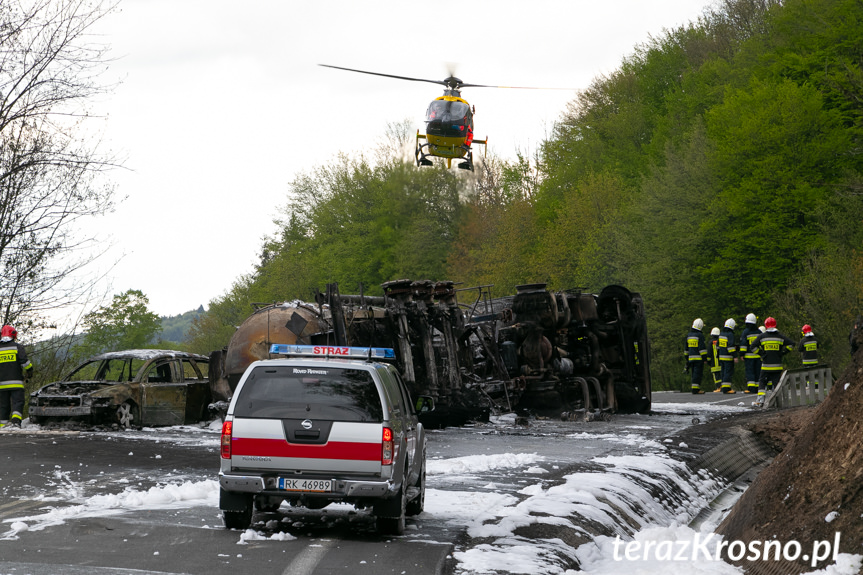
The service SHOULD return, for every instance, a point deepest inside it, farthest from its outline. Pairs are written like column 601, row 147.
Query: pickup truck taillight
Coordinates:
column 386, row 447
column 226, row 439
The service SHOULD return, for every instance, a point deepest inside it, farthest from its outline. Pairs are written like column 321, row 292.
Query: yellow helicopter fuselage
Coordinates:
column 449, row 129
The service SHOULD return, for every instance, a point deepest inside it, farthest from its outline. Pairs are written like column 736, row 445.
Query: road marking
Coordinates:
column 15, row 507
column 306, row 561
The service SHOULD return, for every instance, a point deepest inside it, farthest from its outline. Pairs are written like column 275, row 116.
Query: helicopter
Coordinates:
column 449, row 121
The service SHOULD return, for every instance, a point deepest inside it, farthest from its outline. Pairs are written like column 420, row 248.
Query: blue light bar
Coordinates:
column 333, row 351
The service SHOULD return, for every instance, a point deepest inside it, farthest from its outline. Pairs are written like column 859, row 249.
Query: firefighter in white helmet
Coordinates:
column 751, row 360
column 14, row 369
column 727, row 354
column 695, row 351
column 713, row 359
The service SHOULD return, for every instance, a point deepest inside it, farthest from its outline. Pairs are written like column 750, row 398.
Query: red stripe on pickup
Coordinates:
column 281, row 448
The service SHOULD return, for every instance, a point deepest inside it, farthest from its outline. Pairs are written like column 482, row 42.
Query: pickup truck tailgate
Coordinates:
column 349, row 448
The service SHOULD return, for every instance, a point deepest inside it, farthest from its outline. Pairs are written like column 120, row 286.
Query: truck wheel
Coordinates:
column 416, row 505
column 390, row 515
column 239, row 519
column 267, row 504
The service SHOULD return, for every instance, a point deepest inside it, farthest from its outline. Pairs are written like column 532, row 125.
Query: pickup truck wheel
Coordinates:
column 416, row 505
column 393, row 525
column 239, row 519
column 267, row 504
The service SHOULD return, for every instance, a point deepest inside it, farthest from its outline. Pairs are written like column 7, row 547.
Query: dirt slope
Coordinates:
column 819, row 473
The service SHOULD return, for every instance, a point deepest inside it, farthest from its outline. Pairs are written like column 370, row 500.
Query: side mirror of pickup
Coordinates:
column 425, row 404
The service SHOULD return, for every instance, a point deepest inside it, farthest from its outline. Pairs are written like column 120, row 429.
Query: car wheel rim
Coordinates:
column 125, row 415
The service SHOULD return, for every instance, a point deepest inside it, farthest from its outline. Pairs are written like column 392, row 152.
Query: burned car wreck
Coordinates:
column 132, row 388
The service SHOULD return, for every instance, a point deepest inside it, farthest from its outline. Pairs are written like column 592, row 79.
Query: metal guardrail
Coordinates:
column 804, row 386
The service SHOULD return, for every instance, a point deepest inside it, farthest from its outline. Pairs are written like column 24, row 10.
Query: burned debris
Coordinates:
column 568, row 354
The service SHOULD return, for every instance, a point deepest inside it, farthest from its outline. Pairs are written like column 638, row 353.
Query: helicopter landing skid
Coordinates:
column 422, row 158
column 421, row 152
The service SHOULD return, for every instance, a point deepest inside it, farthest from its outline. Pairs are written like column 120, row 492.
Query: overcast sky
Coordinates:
column 222, row 105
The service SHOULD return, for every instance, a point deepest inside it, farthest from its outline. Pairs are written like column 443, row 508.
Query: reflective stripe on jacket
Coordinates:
column 727, row 345
column 13, row 363
column 747, row 338
column 808, row 346
column 695, row 349
column 771, row 346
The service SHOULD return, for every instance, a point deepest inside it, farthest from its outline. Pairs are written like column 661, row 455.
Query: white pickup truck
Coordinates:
column 323, row 424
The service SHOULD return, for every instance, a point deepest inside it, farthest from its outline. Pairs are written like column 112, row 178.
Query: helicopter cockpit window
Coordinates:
column 446, row 111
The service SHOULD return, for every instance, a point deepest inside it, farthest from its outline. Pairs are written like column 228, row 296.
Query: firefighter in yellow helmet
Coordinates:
column 15, row 367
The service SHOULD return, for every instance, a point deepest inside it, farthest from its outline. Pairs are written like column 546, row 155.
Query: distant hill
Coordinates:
column 175, row 327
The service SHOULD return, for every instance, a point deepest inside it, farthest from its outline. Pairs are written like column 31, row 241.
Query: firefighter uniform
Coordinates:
column 696, row 354
column 771, row 346
column 751, row 360
column 808, row 348
column 13, row 366
column 727, row 354
column 713, row 359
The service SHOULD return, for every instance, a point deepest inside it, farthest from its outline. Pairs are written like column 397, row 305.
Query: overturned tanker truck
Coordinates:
column 567, row 354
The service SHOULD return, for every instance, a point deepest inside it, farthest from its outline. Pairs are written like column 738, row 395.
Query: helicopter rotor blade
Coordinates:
column 384, row 75
column 513, row 87
column 451, row 82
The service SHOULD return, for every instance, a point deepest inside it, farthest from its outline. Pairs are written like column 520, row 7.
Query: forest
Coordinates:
column 717, row 171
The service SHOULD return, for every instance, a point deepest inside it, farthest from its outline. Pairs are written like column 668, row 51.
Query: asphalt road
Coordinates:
column 39, row 466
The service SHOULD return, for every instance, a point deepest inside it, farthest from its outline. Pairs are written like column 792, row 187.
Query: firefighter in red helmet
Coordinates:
column 808, row 347
column 15, row 367
column 771, row 346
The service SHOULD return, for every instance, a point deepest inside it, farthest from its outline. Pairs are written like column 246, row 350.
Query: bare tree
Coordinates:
column 50, row 169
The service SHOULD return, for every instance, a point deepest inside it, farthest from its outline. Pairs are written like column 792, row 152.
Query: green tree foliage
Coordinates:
column 175, row 328
column 495, row 236
column 354, row 224
column 126, row 323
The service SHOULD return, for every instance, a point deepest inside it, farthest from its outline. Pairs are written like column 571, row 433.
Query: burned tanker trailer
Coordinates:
column 578, row 354
column 554, row 354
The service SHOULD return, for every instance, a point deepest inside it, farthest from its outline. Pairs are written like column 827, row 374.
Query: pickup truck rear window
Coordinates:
column 317, row 393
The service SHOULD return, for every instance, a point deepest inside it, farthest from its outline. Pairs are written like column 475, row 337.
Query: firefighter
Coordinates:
column 14, row 369
column 727, row 354
column 771, row 346
column 696, row 354
column 808, row 347
column 713, row 359
column 751, row 360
